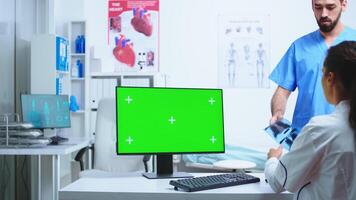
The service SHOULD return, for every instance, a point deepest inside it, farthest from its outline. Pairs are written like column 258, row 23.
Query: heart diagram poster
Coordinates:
column 244, row 43
column 133, row 35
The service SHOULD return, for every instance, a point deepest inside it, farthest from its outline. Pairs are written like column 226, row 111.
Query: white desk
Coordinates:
column 74, row 144
column 132, row 186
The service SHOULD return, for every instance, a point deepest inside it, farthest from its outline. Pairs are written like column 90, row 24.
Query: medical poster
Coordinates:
column 133, row 35
column 243, row 51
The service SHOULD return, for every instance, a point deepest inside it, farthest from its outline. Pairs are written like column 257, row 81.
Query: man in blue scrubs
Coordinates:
column 301, row 66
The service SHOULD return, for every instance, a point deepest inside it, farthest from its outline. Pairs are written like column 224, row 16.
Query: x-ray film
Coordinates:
column 283, row 133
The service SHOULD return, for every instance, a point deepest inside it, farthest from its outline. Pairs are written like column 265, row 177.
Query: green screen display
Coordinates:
column 169, row 120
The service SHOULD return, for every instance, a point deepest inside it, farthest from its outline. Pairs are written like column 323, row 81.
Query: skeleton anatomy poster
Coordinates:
column 243, row 51
column 133, row 34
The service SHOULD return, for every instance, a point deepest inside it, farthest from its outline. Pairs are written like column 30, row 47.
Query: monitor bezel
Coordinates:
column 47, row 127
column 167, row 153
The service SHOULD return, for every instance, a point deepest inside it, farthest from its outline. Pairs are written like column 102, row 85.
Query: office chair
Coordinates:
column 105, row 159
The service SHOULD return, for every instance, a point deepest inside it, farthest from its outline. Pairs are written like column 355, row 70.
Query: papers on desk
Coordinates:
column 18, row 134
column 22, row 133
column 25, row 142
column 15, row 125
column 283, row 133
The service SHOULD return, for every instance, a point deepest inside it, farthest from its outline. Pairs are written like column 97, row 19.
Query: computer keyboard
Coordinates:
column 213, row 181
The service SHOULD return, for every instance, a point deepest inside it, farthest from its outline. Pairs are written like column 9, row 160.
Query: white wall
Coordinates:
column 349, row 16
column 7, row 56
column 189, row 53
column 25, row 29
column 65, row 11
column 7, row 92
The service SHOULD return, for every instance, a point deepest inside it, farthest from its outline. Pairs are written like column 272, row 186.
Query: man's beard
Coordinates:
column 328, row 28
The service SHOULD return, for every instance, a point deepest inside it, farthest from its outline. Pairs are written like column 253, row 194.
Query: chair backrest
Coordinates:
column 105, row 157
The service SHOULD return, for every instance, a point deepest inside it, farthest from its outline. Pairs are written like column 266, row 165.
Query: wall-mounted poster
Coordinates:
column 243, row 51
column 133, row 35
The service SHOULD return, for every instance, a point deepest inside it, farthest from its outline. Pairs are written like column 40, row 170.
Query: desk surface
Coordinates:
column 133, row 186
column 70, row 146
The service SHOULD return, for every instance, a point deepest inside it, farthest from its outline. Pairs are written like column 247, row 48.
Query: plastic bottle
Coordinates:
column 74, row 71
column 77, row 44
column 83, row 44
column 80, row 69
column 73, row 105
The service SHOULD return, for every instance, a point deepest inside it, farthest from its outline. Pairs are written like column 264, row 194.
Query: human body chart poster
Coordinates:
column 243, row 51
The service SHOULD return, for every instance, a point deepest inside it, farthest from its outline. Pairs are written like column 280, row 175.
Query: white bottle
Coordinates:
column 74, row 70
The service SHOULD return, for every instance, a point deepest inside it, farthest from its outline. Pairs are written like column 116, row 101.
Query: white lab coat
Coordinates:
column 322, row 161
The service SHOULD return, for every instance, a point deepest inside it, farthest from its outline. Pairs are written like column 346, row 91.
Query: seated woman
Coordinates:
column 322, row 161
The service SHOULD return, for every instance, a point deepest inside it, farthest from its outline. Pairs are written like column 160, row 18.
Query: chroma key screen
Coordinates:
column 169, row 120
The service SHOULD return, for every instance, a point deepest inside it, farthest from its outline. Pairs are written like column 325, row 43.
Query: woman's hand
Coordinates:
column 275, row 152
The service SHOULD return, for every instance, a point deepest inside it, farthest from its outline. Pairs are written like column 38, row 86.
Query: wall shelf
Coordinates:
column 78, row 112
column 77, row 79
column 78, row 54
column 63, row 72
column 118, row 74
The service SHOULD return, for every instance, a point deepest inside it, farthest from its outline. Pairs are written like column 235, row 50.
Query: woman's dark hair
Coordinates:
column 341, row 60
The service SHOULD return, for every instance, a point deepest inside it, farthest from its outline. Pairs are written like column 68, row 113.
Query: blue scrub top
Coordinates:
column 301, row 67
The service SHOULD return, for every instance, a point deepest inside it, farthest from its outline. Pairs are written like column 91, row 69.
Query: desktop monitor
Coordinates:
column 46, row 111
column 166, row 121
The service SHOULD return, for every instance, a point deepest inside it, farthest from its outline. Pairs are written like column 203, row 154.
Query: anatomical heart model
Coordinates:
column 133, row 35
column 124, row 51
column 141, row 21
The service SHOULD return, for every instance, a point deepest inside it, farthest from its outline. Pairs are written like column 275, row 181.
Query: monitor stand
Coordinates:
column 56, row 139
column 165, row 169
